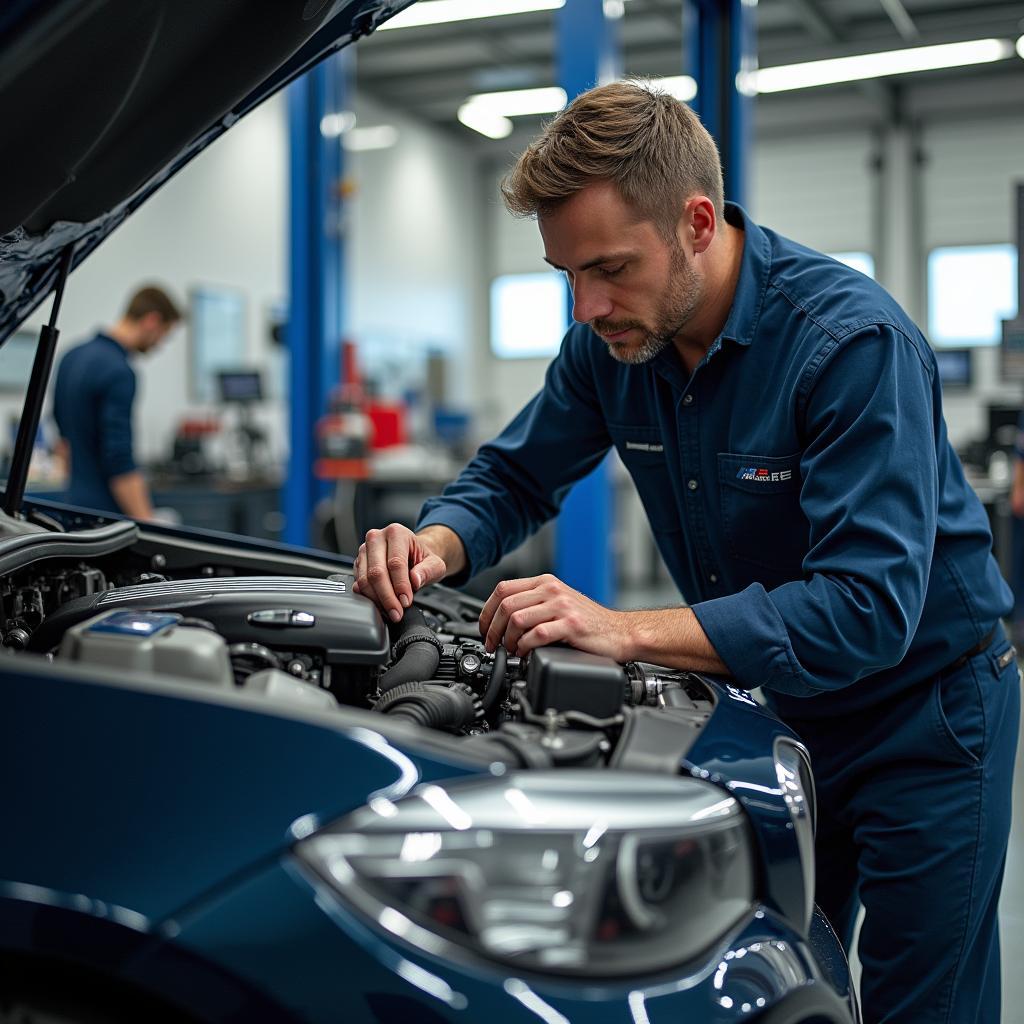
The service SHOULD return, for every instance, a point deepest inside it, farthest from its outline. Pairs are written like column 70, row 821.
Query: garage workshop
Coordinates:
column 513, row 511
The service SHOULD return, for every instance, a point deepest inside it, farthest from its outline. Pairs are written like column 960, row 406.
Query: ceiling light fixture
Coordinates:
column 437, row 12
column 489, row 112
column 378, row 136
column 876, row 65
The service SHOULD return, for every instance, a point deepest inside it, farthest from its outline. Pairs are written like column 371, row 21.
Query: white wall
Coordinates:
column 221, row 221
column 412, row 259
column 414, row 253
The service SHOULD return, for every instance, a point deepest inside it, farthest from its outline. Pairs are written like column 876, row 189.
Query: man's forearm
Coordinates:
column 447, row 544
column 132, row 495
column 672, row 637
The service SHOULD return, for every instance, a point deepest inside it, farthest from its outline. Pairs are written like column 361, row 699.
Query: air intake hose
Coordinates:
column 417, row 650
column 435, row 706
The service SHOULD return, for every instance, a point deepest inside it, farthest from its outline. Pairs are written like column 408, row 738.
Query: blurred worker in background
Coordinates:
column 93, row 398
column 781, row 417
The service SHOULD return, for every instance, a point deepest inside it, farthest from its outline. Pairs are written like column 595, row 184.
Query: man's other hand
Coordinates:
column 392, row 564
column 528, row 613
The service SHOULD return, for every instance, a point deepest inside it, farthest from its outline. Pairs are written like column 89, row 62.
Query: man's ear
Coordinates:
column 703, row 222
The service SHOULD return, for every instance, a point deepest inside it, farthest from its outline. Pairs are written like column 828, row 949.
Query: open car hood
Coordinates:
column 102, row 101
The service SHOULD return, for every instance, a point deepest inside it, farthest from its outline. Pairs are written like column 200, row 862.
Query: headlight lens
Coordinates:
column 793, row 770
column 574, row 872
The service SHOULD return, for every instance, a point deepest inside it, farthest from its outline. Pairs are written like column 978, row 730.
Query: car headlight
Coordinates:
column 793, row 770
column 576, row 872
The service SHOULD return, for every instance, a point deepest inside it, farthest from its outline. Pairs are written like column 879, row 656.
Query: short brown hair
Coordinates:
column 152, row 299
column 651, row 146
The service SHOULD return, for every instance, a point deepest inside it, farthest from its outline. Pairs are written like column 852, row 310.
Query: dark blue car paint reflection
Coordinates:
column 150, row 834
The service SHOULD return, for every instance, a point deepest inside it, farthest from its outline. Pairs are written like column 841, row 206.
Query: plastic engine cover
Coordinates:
column 294, row 613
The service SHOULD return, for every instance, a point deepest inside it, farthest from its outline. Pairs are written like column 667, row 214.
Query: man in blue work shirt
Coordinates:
column 781, row 418
column 93, row 398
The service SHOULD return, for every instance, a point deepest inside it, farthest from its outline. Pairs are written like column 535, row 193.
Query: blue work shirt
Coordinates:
column 92, row 405
column 799, row 483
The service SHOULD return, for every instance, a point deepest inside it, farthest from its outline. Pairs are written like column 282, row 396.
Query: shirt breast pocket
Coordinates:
column 643, row 452
column 761, row 515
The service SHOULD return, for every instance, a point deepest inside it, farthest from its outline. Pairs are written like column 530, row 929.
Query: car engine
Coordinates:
column 312, row 641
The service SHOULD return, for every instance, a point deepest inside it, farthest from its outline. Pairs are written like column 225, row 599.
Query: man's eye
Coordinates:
column 612, row 271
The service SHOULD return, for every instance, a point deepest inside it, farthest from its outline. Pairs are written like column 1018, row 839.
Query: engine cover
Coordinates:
column 293, row 612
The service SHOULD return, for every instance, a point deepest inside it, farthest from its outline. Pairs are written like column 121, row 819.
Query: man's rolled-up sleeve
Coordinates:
column 517, row 482
column 115, row 440
column 870, row 493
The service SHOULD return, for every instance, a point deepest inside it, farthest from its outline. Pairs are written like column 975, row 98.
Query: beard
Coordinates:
column 675, row 309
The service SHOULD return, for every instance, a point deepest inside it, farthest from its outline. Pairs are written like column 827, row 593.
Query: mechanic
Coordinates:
column 781, row 418
column 93, row 398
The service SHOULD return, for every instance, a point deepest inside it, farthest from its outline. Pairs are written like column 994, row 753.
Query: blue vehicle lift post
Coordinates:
column 719, row 46
column 316, row 277
column 587, row 55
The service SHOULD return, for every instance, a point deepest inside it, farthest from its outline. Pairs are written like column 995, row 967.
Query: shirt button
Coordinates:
column 713, row 578
column 692, row 484
column 687, row 399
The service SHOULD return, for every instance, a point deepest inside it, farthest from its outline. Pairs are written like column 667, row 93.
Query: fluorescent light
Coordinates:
column 333, row 125
column 1020, row 47
column 379, row 136
column 488, row 113
column 436, row 12
column 682, row 87
column 518, row 102
column 877, row 65
column 494, row 126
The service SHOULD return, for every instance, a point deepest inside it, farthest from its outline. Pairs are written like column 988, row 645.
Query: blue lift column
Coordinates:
column 316, row 274
column 588, row 55
column 719, row 49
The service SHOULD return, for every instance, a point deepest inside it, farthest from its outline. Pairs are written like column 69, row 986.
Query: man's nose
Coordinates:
column 589, row 302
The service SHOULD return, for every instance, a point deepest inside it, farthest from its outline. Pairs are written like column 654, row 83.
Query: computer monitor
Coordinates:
column 954, row 368
column 1002, row 426
column 240, row 385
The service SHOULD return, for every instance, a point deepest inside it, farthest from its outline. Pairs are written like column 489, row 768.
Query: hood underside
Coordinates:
column 102, row 101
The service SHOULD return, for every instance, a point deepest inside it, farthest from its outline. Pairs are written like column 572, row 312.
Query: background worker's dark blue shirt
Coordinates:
column 92, row 404
column 799, row 483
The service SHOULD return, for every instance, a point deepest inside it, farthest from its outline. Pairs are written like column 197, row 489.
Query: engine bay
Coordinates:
column 238, row 620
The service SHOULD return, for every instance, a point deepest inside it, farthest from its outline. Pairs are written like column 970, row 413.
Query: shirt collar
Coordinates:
column 747, row 303
column 755, row 269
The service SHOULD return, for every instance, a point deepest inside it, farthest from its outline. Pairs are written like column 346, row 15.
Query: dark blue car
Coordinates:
column 231, row 793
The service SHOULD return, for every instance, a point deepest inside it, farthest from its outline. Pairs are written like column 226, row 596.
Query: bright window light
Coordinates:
column 971, row 288
column 878, row 65
column 862, row 261
column 437, row 12
column 529, row 315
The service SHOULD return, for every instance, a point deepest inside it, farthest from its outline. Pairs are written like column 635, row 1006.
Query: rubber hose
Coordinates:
column 437, row 707
column 412, row 618
column 418, row 662
column 495, row 686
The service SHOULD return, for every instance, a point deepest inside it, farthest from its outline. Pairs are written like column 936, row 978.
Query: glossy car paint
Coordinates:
column 151, row 837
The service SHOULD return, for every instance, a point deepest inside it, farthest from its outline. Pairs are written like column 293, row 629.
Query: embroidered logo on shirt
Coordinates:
column 639, row 446
column 763, row 476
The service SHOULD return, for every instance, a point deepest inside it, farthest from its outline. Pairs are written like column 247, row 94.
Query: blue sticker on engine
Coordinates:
column 135, row 623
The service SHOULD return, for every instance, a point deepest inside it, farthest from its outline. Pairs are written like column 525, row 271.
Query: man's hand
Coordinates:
column 529, row 613
column 393, row 563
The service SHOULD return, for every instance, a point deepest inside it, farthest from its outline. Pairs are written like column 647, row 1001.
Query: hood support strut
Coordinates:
column 27, row 429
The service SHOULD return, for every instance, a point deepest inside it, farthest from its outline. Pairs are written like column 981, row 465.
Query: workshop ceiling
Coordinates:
column 430, row 71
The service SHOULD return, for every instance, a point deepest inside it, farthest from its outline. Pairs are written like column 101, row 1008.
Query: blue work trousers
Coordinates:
column 913, row 823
